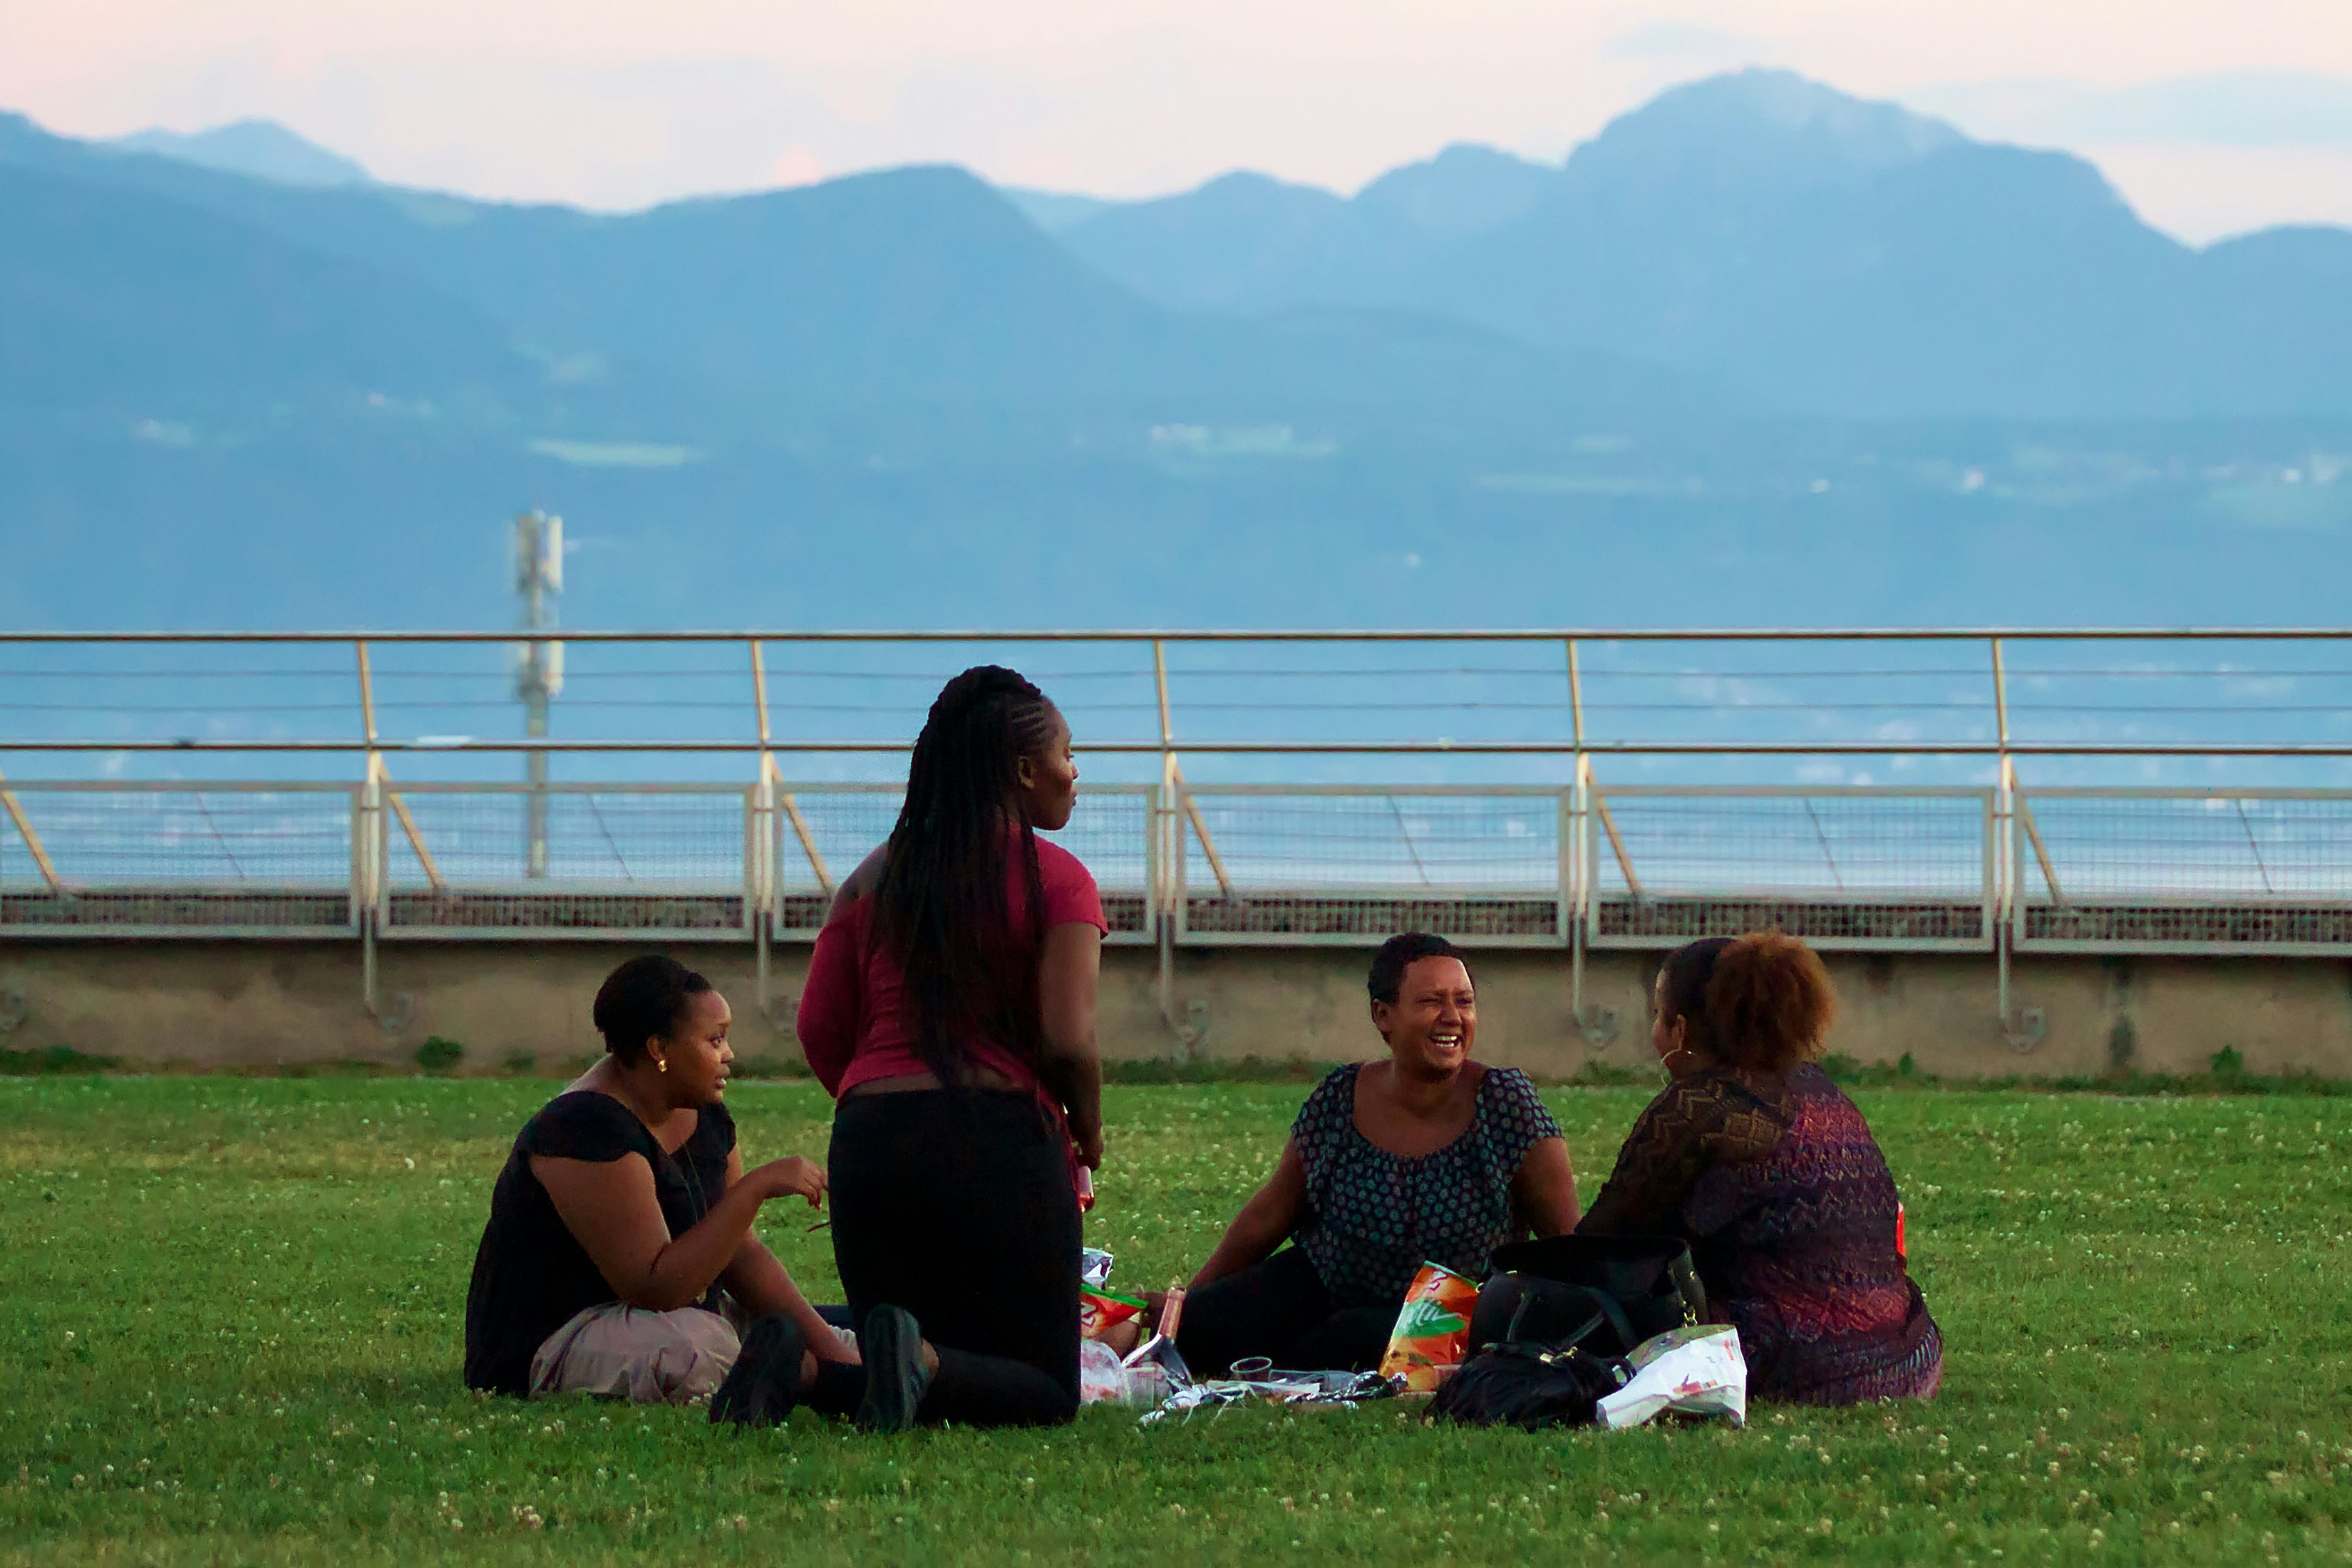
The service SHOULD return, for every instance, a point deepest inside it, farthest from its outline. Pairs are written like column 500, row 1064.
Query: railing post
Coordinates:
column 1171, row 805
column 371, row 876
column 2021, row 1028
column 366, row 868
column 1171, row 844
column 1573, row 853
column 1598, row 1025
column 2005, row 825
column 760, row 875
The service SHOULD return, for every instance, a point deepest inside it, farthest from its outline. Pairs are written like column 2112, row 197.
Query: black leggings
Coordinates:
column 959, row 1209
column 1280, row 1310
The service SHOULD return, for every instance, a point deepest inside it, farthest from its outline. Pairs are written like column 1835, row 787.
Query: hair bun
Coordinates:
column 641, row 999
column 1769, row 1003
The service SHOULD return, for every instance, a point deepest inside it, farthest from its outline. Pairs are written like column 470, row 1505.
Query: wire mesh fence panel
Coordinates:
column 2185, row 872
column 1284, row 842
column 566, row 859
column 617, row 839
column 1354, row 866
column 1111, row 833
column 163, row 859
column 1840, row 868
column 842, row 826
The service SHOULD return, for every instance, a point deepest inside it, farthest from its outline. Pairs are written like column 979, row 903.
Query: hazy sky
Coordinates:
column 2213, row 115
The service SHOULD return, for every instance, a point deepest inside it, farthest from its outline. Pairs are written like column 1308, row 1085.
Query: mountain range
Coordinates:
column 244, row 381
column 1814, row 250
column 1757, row 233
column 261, row 148
column 774, row 318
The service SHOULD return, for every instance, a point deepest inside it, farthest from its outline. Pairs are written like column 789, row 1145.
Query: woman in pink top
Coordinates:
column 950, row 1011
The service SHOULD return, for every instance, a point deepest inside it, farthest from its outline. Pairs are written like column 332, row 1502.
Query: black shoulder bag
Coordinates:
column 1554, row 1322
column 1605, row 1293
column 1528, row 1384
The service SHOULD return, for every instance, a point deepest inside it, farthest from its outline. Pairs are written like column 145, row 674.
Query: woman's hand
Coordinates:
column 1123, row 1337
column 793, row 1175
column 611, row 1209
column 1088, row 1137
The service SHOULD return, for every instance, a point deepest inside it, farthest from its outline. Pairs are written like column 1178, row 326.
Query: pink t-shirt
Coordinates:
column 856, row 1022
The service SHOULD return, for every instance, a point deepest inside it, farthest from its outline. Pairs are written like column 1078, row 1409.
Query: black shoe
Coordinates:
column 892, row 1348
column 764, row 1383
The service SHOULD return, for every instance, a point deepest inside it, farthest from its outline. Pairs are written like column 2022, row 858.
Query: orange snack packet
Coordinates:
column 1432, row 1330
column 1100, row 1311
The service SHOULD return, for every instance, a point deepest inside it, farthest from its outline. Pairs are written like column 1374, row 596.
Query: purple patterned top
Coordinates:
column 1374, row 1217
column 1789, row 1208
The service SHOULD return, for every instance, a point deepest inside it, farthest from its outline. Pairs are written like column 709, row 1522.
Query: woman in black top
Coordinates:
column 625, row 1210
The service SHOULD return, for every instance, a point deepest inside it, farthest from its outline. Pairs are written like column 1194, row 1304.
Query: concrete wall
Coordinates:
column 217, row 1004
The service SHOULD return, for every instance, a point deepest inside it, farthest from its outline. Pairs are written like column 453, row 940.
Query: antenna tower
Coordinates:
column 539, row 669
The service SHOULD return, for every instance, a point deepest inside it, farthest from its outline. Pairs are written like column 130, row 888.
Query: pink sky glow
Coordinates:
column 615, row 105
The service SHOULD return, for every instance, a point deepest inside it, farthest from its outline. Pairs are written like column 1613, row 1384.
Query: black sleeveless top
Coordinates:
column 1373, row 1218
column 531, row 1275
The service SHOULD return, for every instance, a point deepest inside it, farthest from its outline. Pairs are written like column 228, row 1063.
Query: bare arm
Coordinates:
column 1661, row 1161
column 828, row 1017
column 609, row 1207
column 1264, row 1222
column 1072, row 1069
column 755, row 1278
column 1543, row 1189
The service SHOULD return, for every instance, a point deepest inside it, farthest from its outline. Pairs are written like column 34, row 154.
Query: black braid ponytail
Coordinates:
column 942, row 908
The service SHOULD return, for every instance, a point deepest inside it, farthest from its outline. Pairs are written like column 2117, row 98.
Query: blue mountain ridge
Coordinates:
column 1758, row 353
column 1814, row 250
column 261, row 148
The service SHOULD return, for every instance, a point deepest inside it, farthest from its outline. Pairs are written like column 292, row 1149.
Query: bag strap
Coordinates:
column 1615, row 1313
column 1605, row 1310
column 1694, row 1294
column 1518, row 1314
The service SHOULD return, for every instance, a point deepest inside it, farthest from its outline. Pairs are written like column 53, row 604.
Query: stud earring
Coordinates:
column 661, row 1064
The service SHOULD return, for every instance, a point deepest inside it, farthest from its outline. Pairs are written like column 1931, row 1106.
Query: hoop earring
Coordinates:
column 661, row 1064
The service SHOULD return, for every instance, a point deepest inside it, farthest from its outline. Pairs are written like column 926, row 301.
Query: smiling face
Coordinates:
column 1049, row 780
column 1433, row 1021
column 697, row 1051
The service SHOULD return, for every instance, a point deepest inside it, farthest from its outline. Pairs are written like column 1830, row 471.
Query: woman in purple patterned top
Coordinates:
column 1760, row 1162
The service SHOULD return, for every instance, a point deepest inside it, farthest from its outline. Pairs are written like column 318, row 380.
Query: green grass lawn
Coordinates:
column 230, row 1316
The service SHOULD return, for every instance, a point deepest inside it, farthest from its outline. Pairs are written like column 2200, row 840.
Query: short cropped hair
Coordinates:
column 643, row 997
column 1769, row 1004
column 1400, row 953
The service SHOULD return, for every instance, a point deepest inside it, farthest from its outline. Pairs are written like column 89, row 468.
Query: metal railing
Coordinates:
column 1516, row 840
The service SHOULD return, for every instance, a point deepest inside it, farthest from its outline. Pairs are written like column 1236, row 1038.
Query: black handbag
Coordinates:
column 1526, row 1384
column 1602, row 1293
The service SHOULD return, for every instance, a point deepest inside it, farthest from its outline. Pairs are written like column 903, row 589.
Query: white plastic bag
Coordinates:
column 1101, row 1380
column 1144, row 1378
column 1698, row 1370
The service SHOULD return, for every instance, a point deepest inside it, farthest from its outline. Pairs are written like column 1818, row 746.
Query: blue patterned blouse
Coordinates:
column 1374, row 1217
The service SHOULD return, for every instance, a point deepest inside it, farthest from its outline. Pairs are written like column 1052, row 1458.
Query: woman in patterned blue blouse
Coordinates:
column 1427, row 1156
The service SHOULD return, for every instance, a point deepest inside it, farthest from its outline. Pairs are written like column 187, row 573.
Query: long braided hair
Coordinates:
column 942, row 908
